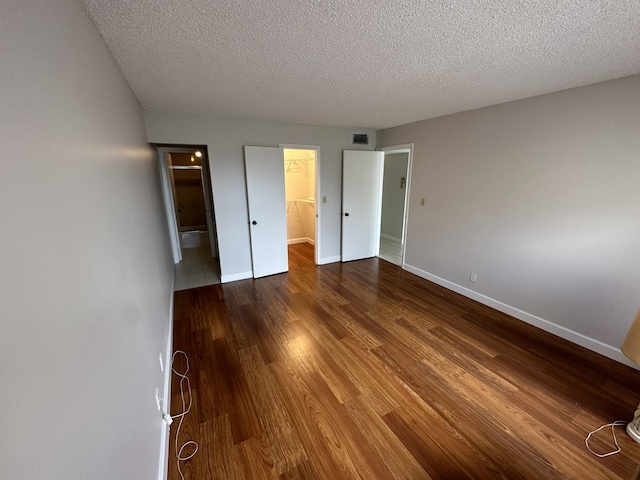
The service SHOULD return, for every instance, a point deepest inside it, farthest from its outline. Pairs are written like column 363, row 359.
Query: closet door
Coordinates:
column 264, row 167
column 361, row 203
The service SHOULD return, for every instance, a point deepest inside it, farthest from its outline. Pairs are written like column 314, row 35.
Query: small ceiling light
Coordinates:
column 198, row 153
column 193, row 159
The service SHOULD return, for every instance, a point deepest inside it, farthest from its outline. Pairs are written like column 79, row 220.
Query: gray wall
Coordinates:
column 85, row 276
column 225, row 139
column 395, row 168
column 540, row 198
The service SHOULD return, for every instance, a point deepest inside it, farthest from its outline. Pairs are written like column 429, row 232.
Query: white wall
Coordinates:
column 225, row 139
column 85, row 276
column 540, row 198
column 392, row 218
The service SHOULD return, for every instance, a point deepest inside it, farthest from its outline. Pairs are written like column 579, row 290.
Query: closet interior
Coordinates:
column 300, row 189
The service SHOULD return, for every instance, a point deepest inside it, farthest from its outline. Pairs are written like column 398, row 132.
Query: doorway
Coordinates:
column 395, row 196
column 300, row 198
column 303, row 203
column 190, row 215
column 270, row 201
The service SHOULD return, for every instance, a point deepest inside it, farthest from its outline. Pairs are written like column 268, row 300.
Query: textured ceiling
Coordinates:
column 362, row 63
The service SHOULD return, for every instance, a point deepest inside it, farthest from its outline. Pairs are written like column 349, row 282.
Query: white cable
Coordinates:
column 615, row 440
column 185, row 409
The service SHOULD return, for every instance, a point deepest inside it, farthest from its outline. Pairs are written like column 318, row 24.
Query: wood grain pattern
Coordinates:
column 364, row 371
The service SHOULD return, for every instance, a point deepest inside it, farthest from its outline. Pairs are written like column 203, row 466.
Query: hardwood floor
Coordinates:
column 362, row 370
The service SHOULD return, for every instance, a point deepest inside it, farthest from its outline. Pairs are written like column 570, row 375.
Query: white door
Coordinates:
column 164, row 159
column 264, row 167
column 361, row 203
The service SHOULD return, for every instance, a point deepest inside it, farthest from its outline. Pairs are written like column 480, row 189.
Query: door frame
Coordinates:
column 168, row 194
column 403, row 148
column 318, row 196
column 207, row 190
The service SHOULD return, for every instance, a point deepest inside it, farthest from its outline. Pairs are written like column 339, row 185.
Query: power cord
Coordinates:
column 180, row 456
column 615, row 440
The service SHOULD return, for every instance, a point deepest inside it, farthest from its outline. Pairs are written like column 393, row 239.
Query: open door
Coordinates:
column 264, row 167
column 395, row 202
column 361, row 203
column 164, row 159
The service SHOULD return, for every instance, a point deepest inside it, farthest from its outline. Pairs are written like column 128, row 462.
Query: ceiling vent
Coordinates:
column 360, row 139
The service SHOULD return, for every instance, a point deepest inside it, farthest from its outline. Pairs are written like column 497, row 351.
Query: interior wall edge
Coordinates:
column 166, row 391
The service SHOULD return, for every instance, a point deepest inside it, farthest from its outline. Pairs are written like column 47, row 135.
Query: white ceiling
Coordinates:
column 362, row 63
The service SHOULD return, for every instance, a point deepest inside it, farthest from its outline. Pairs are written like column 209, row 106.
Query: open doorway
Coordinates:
column 189, row 204
column 301, row 187
column 395, row 196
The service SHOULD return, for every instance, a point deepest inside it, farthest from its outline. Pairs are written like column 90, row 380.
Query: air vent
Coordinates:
column 360, row 139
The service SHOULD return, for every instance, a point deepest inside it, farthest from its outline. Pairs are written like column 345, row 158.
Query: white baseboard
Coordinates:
column 293, row 241
column 166, row 392
column 234, row 277
column 389, row 237
column 325, row 260
column 562, row 332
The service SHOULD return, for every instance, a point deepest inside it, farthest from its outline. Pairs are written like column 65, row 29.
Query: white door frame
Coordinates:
column 318, row 196
column 167, row 193
column 404, row 148
column 205, row 177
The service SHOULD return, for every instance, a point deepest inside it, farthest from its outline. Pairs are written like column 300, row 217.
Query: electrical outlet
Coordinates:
column 158, row 399
column 324, row 199
column 422, row 202
column 473, row 277
column 161, row 363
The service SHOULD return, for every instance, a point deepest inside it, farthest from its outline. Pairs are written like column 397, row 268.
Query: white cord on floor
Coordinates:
column 185, row 409
column 615, row 440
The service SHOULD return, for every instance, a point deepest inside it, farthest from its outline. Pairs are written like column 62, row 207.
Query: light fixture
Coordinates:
column 631, row 348
column 193, row 159
column 198, row 153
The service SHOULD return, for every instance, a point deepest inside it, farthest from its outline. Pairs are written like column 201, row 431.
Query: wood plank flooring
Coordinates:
column 362, row 370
